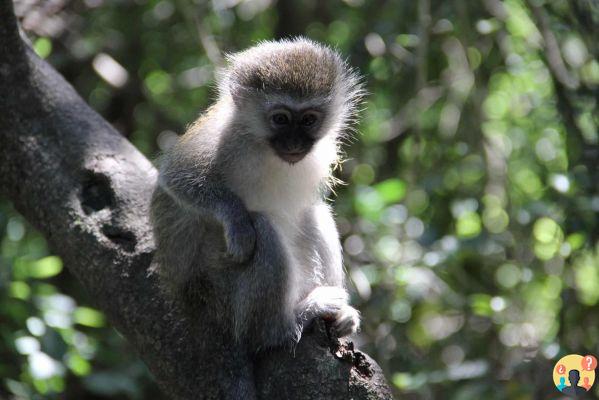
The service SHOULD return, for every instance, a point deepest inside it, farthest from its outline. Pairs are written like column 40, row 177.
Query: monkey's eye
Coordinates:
column 280, row 118
column 309, row 118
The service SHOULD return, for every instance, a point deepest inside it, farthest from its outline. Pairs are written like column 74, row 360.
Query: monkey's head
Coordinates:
column 290, row 94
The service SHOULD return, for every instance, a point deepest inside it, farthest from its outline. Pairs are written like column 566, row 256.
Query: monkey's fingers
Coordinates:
column 347, row 322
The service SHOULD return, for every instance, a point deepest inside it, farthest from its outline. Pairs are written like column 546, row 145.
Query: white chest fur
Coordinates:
column 283, row 192
column 270, row 185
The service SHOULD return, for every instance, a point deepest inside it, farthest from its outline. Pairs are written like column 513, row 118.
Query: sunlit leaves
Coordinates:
column 43, row 47
column 43, row 366
column 391, row 190
column 468, row 225
column 481, row 304
column 401, row 311
column 36, row 326
column 158, row 82
column 508, row 275
column 408, row 381
column 519, row 23
column 19, row 290
column 548, row 238
column 576, row 240
column 574, row 51
column 368, row 202
column 44, row 316
column 27, row 345
column 590, row 72
column 494, row 217
column 587, row 277
column 471, row 170
column 78, row 364
column 339, row 31
column 497, row 105
column 528, row 182
column 88, row 317
column 43, row 268
column 417, row 201
column 363, row 174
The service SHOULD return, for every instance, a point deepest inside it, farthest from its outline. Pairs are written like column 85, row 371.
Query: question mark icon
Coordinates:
column 589, row 363
column 561, row 369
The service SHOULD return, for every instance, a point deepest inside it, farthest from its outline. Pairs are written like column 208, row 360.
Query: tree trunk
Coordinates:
column 87, row 189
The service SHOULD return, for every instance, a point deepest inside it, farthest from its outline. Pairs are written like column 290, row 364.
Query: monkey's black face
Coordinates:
column 294, row 132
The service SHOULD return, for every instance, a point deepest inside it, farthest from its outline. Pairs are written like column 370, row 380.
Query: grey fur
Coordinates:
column 225, row 256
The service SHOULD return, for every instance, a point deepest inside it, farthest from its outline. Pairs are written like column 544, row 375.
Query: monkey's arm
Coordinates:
column 196, row 191
column 329, row 301
column 322, row 231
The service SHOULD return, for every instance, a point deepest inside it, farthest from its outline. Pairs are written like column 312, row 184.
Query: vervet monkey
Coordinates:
column 242, row 229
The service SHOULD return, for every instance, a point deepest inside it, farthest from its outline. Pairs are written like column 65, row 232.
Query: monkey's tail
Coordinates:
column 239, row 377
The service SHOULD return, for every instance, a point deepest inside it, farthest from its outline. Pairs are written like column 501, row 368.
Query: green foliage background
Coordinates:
column 469, row 217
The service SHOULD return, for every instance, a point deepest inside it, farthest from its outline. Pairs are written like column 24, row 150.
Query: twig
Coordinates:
column 194, row 21
column 555, row 62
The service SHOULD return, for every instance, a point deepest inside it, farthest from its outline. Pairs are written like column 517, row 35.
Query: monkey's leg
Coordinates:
column 264, row 312
column 237, row 375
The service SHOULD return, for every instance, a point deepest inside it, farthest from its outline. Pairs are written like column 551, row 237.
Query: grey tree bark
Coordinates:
column 87, row 189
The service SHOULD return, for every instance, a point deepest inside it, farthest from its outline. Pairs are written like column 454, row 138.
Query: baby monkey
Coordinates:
column 243, row 233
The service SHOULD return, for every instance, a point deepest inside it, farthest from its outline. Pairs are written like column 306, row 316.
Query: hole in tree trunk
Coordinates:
column 96, row 193
column 123, row 238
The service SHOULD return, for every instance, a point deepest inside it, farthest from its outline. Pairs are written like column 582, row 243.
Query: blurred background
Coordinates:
column 469, row 217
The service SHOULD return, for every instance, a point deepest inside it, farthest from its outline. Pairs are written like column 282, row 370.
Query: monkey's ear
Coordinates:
column 227, row 86
column 240, row 94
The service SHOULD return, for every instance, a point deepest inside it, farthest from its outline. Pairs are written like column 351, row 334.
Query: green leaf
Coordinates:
column 43, row 47
column 481, row 304
column 158, row 82
column 368, row 202
column 587, row 278
column 547, row 230
column 468, row 225
column 45, row 267
column 576, row 240
column 391, row 190
column 20, row 290
column 78, row 365
column 89, row 317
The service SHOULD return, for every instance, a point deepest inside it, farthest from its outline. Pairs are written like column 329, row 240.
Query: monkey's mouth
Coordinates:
column 291, row 148
column 292, row 157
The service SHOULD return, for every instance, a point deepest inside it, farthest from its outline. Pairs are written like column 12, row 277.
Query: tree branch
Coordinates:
column 11, row 43
column 87, row 189
column 567, row 88
column 553, row 53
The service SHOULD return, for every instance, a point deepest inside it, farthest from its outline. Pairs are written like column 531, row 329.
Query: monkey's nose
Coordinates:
column 291, row 147
column 292, row 158
column 292, row 154
column 290, row 151
column 294, row 145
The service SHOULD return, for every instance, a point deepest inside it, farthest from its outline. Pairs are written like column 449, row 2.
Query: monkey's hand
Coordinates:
column 240, row 237
column 330, row 304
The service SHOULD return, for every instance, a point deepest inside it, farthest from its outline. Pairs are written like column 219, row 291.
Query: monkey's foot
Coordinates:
column 346, row 321
column 330, row 304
